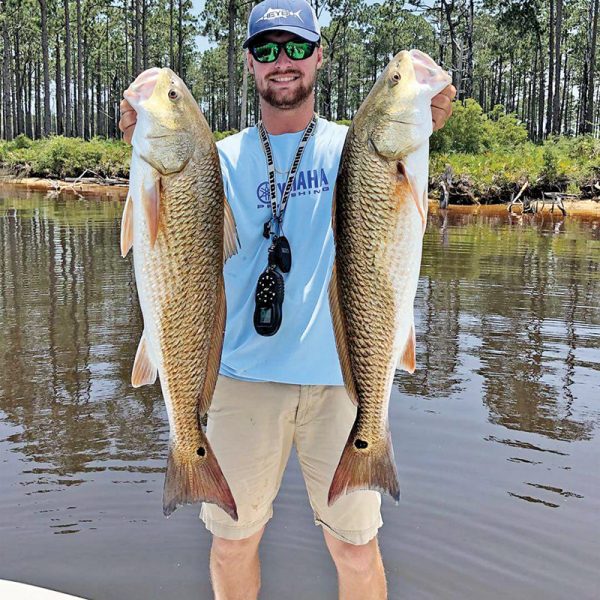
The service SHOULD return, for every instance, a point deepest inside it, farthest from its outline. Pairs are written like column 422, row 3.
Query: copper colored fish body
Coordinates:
column 379, row 219
column 180, row 227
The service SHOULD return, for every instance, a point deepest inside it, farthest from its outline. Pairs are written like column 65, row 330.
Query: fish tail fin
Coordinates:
column 365, row 468
column 196, row 477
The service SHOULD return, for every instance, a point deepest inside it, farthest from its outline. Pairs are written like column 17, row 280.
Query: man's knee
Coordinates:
column 360, row 559
column 226, row 551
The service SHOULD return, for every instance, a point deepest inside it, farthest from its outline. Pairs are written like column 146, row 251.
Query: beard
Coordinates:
column 286, row 99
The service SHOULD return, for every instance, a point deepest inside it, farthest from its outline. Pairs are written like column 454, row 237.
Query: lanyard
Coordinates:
column 264, row 138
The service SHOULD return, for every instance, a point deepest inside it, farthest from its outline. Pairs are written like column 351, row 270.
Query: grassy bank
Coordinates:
column 488, row 157
column 483, row 158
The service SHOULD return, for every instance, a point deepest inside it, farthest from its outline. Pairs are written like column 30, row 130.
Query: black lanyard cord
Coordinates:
column 266, row 145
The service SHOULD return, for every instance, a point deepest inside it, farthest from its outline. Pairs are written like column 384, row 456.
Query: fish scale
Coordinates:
column 180, row 225
column 378, row 222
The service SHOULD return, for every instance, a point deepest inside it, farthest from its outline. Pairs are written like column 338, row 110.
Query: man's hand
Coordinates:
column 129, row 119
column 441, row 106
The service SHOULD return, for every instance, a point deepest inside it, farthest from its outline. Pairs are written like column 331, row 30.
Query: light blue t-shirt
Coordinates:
column 303, row 351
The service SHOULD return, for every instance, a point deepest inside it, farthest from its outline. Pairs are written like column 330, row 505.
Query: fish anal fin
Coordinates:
column 339, row 329
column 196, row 477
column 365, row 469
column 144, row 372
column 408, row 358
column 214, row 358
column 127, row 227
column 413, row 187
column 151, row 204
column 231, row 241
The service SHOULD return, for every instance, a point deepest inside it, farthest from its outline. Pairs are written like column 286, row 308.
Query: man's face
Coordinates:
column 285, row 83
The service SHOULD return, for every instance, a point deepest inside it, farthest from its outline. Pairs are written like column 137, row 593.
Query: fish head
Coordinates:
column 397, row 112
column 170, row 124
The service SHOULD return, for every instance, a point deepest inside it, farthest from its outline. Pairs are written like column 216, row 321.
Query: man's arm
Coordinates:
column 441, row 109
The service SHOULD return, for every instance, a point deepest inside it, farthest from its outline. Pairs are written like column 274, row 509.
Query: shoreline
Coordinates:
column 81, row 188
column 589, row 208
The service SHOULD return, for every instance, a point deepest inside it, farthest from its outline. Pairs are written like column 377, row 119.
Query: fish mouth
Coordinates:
column 164, row 135
column 403, row 122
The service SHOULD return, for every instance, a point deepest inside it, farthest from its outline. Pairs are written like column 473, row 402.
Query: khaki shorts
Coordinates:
column 251, row 427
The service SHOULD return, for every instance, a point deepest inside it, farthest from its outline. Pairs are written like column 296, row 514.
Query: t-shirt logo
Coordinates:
column 311, row 181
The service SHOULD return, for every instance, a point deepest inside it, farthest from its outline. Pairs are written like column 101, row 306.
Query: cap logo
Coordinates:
column 280, row 13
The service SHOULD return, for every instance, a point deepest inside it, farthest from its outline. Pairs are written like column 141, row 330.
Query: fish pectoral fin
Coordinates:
column 127, row 227
column 151, row 204
column 333, row 207
column 339, row 330
column 231, row 241
column 412, row 185
column 144, row 372
column 408, row 359
column 214, row 356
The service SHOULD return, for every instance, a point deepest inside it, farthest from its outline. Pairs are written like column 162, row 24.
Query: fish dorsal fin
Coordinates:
column 408, row 359
column 231, row 241
column 144, row 372
column 127, row 227
column 214, row 356
column 412, row 185
column 151, row 204
column 339, row 330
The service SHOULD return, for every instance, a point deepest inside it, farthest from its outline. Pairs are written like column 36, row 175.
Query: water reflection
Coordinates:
column 68, row 330
column 521, row 301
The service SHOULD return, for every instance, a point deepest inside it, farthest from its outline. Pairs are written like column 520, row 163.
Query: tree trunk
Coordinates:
column 59, row 98
column 38, row 99
column 556, row 113
column 137, row 54
column 18, row 81
column 144, row 36
column 180, row 42
column 231, row 66
column 47, row 126
column 68, row 106
column 80, row 59
column 588, row 114
column 6, row 78
column 551, row 68
column 86, row 88
column 171, row 42
column 29, row 107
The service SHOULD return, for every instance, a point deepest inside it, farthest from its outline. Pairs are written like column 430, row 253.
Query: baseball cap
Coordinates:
column 295, row 16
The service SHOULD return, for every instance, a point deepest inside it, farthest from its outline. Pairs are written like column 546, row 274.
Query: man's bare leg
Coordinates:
column 235, row 567
column 360, row 569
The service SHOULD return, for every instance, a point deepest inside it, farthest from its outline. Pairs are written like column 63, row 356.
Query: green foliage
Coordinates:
column 550, row 163
column 220, row 135
column 58, row 156
column 566, row 163
column 470, row 130
column 464, row 132
column 504, row 131
column 21, row 141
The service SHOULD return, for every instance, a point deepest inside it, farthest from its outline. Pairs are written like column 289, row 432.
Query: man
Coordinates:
column 285, row 388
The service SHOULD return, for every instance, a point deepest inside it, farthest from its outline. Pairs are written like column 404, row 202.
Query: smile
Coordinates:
column 284, row 79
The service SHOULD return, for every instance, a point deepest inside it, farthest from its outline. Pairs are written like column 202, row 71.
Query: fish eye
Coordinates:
column 396, row 77
column 173, row 95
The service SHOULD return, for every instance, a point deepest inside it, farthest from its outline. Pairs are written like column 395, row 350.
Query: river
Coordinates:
column 496, row 433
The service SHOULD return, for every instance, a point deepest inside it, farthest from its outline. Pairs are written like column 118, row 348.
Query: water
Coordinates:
column 496, row 434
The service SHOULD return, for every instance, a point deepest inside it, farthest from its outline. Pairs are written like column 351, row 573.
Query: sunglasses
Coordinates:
column 294, row 49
